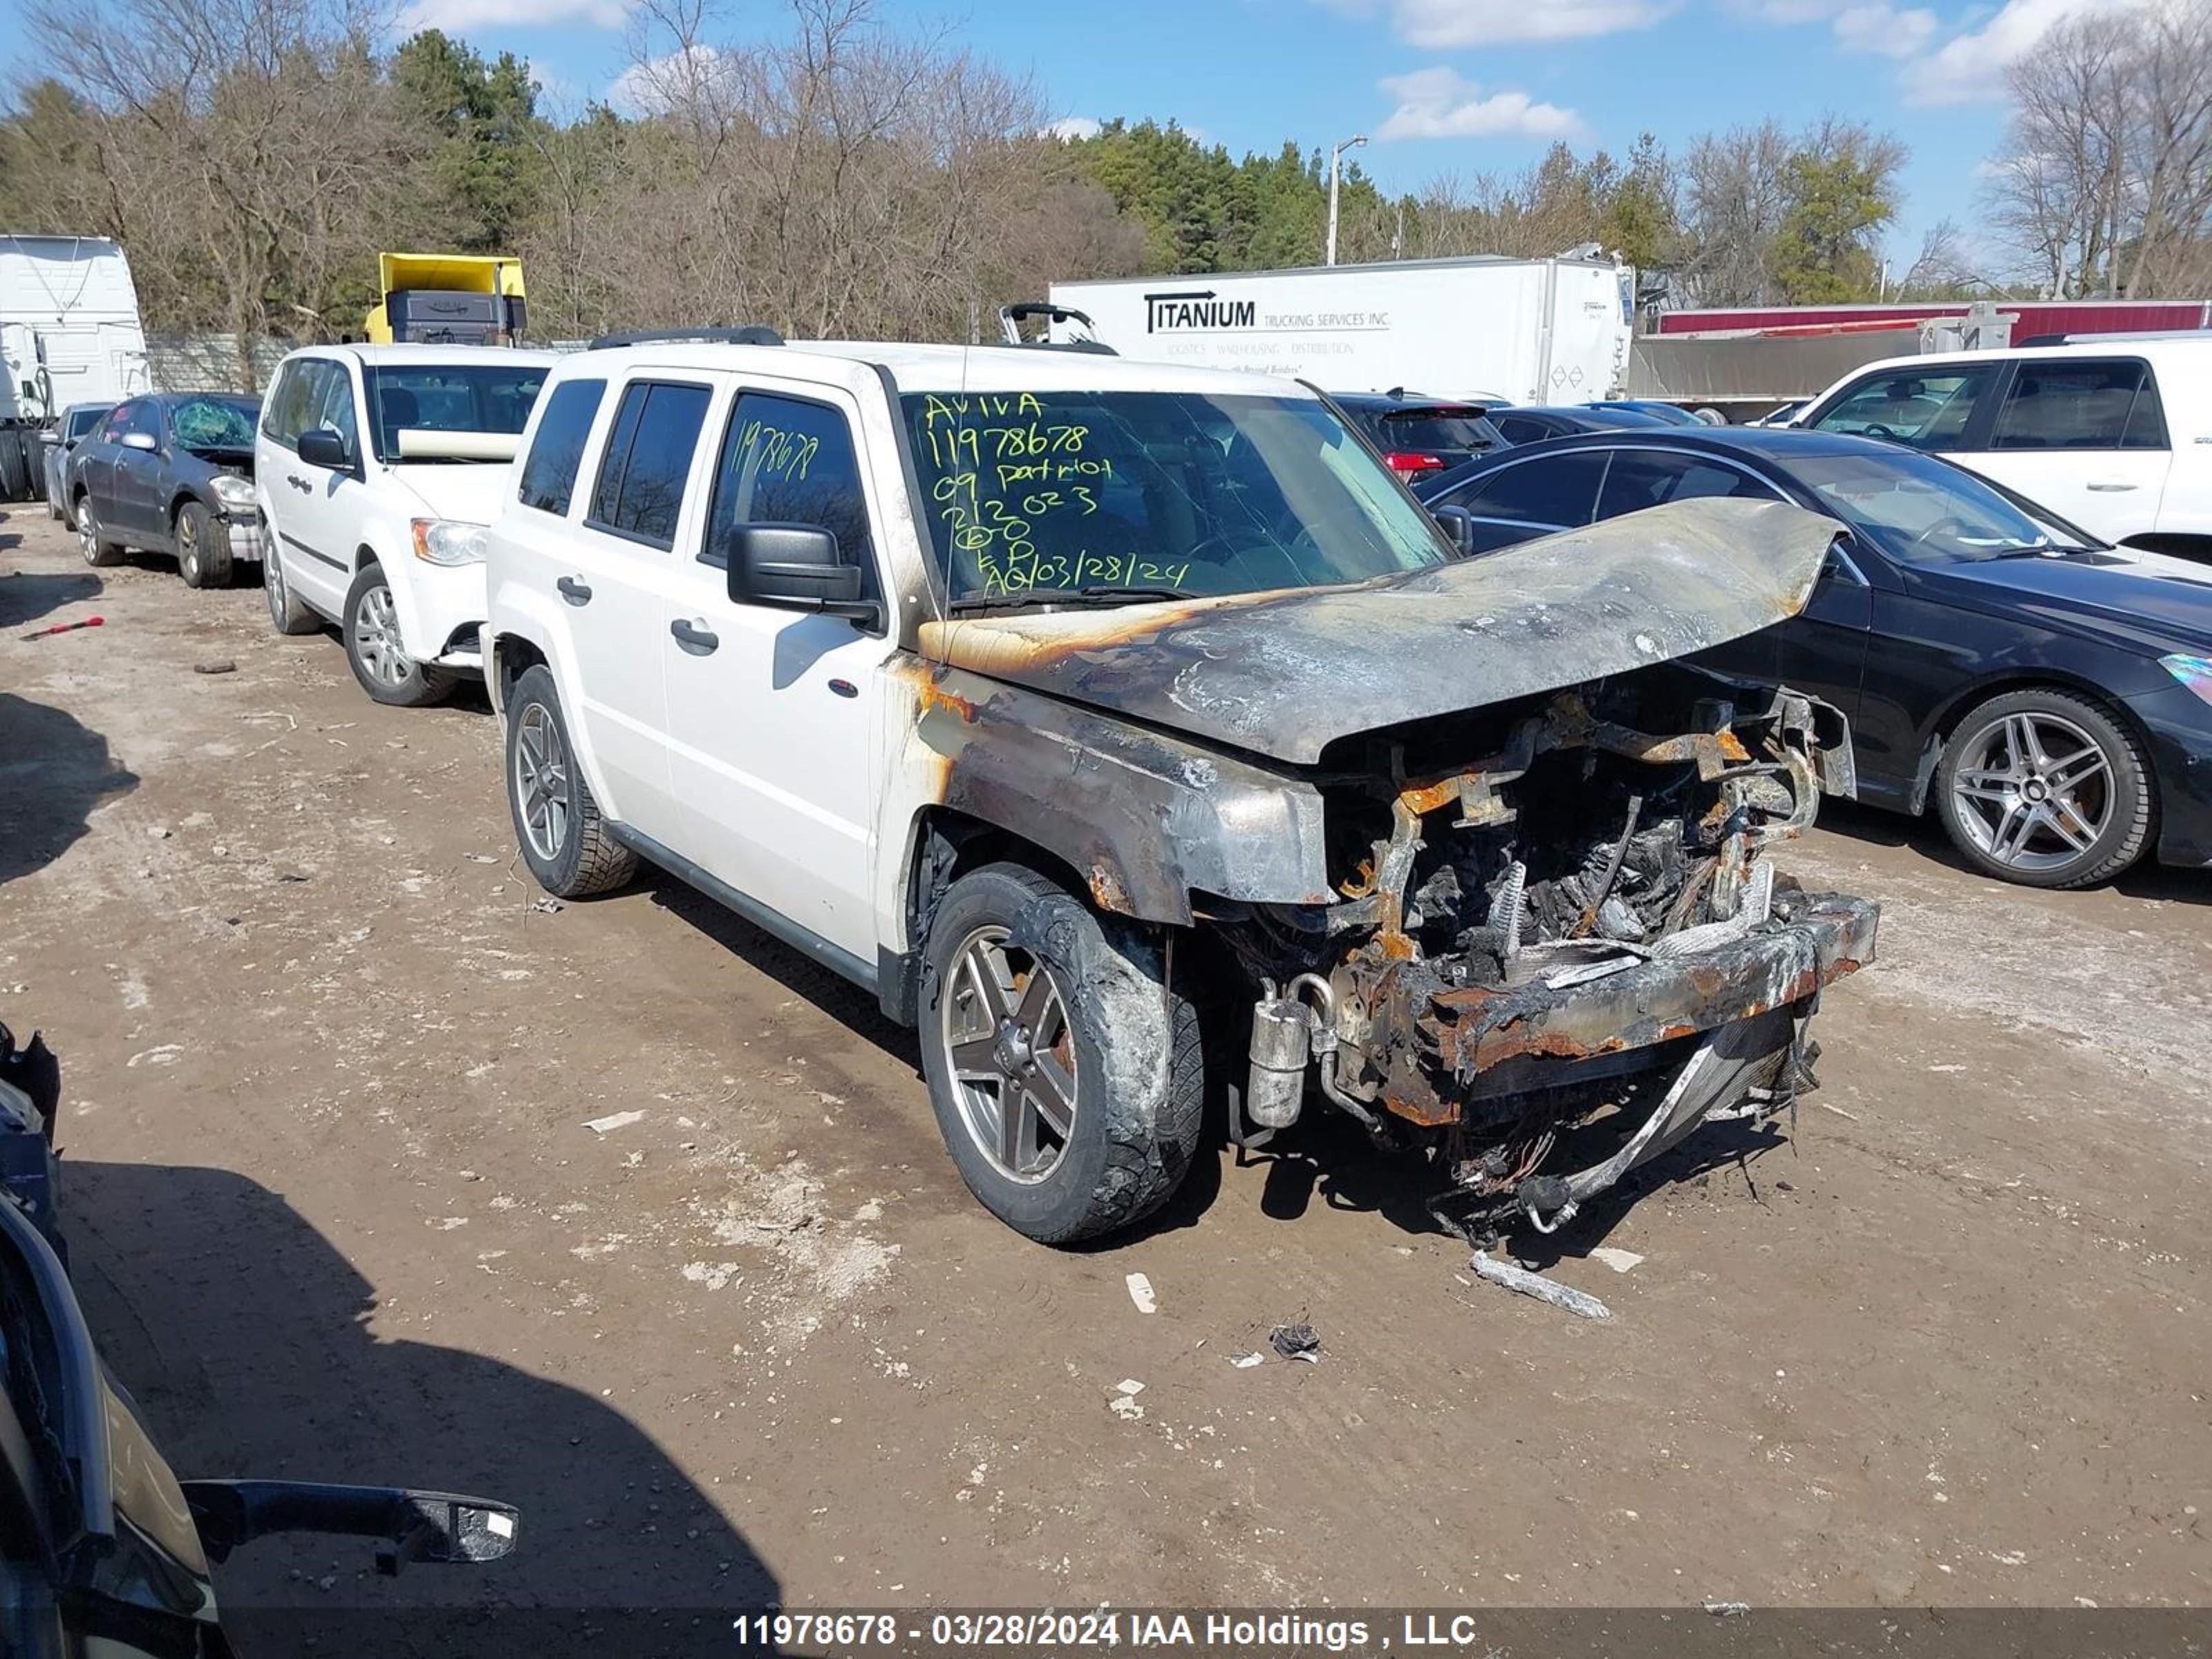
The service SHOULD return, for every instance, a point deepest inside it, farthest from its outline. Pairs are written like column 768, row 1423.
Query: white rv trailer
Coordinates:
column 1526, row 331
column 69, row 333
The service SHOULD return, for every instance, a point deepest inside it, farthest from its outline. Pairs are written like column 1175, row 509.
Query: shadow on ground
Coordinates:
column 246, row 1337
column 54, row 771
column 26, row 596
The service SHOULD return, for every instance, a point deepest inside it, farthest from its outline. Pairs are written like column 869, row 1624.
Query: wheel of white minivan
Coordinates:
column 287, row 612
column 1063, row 1069
column 557, row 823
column 2045, row 788
column 377, row 654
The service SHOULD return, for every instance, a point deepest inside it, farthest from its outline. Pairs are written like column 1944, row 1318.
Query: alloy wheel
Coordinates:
column 376, row 637
column 1010, row 1051
column 87, row 532
column 272, row 586
column 2033, row 791
column 188, row 548
column 541, row 782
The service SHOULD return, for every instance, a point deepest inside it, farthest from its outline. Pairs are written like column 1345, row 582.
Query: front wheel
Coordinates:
column 1065, row 1071
column 202, row 548
column 2045, row 788
column 377, row 654
column 563, row 834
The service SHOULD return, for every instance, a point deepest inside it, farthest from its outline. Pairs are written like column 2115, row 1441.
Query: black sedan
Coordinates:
column 2051, row 696
column 171, row 472
column 1417, row 434
column 1534, row 424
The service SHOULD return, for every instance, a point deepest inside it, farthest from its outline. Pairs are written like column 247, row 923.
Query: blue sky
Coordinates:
column 1440, row 86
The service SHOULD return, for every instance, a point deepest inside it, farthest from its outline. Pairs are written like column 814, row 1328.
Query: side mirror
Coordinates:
column 138, row 440
column 325, row 448
column 1458, row 524
column 795, row 566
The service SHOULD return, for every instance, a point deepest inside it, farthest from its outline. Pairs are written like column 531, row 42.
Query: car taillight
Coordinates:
column 1412, row 461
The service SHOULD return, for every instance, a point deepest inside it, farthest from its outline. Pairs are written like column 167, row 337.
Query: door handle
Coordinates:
column 2112, row 486
column 693, row 638
column 574, row 591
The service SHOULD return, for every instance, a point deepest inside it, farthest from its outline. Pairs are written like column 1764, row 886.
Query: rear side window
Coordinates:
column 1639, row 479
column 648, row 457
column 549, row 473
column 1928, row 409
column 785, row 461
column 2077, row 405
column 1520, row 429
column 1558, row 492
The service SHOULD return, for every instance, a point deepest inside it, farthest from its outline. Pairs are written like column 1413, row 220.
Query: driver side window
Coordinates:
column 1929, row 409
column 335, row 410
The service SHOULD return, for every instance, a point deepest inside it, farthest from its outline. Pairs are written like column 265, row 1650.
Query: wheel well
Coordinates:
column 177, row 506
column 1946, row 723
column 510, row 657
column 363, row 557
column 947, row 844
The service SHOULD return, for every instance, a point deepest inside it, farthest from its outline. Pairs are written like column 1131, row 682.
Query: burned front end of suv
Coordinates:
column 1473, row 855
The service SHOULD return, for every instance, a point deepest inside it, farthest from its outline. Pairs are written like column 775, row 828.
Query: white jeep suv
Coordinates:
column 1082, row 707
column 378, row 467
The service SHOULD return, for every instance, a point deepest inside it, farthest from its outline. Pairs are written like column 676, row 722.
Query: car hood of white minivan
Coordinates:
column 472, row 491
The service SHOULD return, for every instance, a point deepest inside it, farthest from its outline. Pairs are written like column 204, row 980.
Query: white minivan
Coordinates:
column 2115, row 434
column 377, row 468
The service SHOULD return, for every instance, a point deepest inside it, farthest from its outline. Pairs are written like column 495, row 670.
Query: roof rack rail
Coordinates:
column 1011, row 319
column 758, row 334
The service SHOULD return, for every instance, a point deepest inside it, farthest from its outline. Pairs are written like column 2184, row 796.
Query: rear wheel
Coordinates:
column 377, row 654
column 99, row 552
column 287, row 613
column 202, row 548
column 2045, row 788
column 563, row 835
column 1065, row 1071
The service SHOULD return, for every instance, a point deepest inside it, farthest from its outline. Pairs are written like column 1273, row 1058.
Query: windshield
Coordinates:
column 1176, row 492
column 1437, row 429
column 450, row 397
column 215, row 423
column 1923, row 511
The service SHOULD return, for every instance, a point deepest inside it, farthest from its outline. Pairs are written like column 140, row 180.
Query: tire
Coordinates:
column 14, row 467
column 2025, row 800
column 571, row 852
column 287, row 612
column 376, row 653
column 1113, row 1134
column 202, row 548
column 99, row 552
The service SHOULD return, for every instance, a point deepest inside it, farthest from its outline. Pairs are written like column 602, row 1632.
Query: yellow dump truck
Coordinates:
column 448, row 299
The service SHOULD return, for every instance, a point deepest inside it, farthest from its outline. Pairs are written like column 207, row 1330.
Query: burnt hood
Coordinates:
column 1286, row 673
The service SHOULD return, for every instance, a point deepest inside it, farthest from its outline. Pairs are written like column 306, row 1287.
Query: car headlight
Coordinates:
column 2195, row 672
column 448, row 541
column 234, row 492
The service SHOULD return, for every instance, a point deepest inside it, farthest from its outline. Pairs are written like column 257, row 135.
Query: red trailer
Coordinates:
column 2038, row 317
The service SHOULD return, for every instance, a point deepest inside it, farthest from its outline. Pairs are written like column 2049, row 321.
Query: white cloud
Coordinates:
column 1886, row 30
column 663, row 83
column 1440, row 103
column 1075, row 126
column 461, row 16
column 1441, row 25
column 1970, row 68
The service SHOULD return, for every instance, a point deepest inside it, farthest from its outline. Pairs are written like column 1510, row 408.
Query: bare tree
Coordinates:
column 1736, row 193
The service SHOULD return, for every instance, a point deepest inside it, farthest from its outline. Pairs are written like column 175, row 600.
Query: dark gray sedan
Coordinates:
column 171, row 472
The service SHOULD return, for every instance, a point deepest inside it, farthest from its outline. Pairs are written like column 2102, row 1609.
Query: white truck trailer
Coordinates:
column 1525, row 331
column 69, row 333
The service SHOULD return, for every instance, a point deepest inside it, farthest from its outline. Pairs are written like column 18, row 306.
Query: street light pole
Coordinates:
column 1335, row 166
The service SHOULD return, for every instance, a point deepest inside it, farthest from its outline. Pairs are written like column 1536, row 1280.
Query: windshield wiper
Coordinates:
column 1100, row 595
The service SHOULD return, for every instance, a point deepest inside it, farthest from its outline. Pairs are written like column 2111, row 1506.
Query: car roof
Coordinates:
column 2118, row 346
column 1625, row 419
column 415, row 352
column 1408, row 403
column 1778, row 445
column 986, row 370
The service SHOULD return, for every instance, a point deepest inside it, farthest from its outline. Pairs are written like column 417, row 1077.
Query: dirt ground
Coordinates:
column 340, row 1210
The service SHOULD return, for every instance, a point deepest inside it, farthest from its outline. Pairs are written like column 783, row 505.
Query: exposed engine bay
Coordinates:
column 1557, row 932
